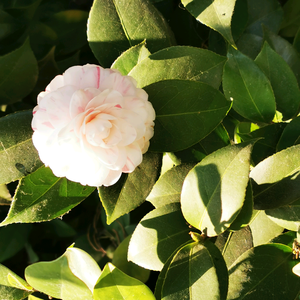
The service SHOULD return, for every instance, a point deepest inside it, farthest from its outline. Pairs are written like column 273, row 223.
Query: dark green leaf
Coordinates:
column 13, row 239
column 199, row 265
column 168, row 188
column 291, row 21
column 213, row 192
column 283, row 81
column 290, row 135
column 263, row 229
column 248, row 87
column 70, row 27
column 18, row 157
column 8, row 25
column 157, row 236
column 130, row 58
column 286, row 238
column 121, row 262
column 267, row 12
column 180, row 62
column 263, row 272
column 17, row 69
column 41, row 196
column 114, row 27
column 268, row 138
column 114, row 284
column 285, row 50
column 12, row 287
column 66, row 277
column 239, row 19
column 186, row 111
column 250, row 44
column 216, row 14
column 132, row 189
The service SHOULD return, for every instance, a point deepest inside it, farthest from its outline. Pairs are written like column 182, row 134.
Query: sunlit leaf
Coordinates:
column 213, row 192
column 157, row 236
column 290, row 135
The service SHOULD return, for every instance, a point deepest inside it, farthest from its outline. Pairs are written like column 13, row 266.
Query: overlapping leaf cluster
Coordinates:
column 222, row 169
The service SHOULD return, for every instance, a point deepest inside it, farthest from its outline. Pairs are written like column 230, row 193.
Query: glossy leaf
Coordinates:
column 41, row 196
column 167, row 188
column 157, row 236
column 114, row 284
column 130, row 58
column 216, row 14
column 287, row 216
column 291, row 21
column 278, row 166
column 199, row 265
column 290, row 136
column 71, row 276
column 285, row 50
column 245, row 214
column 283, row 81
column 132, row 189
column 180, row 62
column 186, row 111
column 17, row 69
column 263, row 271
column 248, row 87
column 263, row 229
column 13, row 239
column 114, row 27
column 17, row 290
column 214, row 190
column 18, row 157
column 121, row 262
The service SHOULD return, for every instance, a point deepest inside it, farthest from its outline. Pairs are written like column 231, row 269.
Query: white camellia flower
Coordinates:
column 91, row 124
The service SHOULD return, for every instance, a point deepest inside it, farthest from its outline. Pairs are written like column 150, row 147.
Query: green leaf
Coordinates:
column 283, row 81
column 250, row 44
column 13, row 239
column 268, row 137
column 180, row 62
column 41, row 196
column 278, row 166
column 132, row 189
column 285, row 50
column 245, row 213
column 130, row 58
column 113, row 27
column 8, row 24
column 264, row 271
column 114, row 284
column 291, row 21
column 70, row 27
column 216, row 14
column 17, row 69
column 286, row 216
column 121, row 262
column 12, row 287
column 167, row 188
column 290, row 135
column 263, row 229
column 18, row 157
column 157, row 236
column 248, row 87
column 199, row 265
column 71, row 276
column 213, row 192
column 234, row 244
column 286, row 238
column 268, row 13
column 186, row 111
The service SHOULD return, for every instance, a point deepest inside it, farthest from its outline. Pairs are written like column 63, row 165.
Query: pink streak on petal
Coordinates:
column 98, row 77
column 48, row 124
column 118, row 105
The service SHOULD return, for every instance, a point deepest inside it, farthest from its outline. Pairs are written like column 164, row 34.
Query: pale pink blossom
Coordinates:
column 91, row 124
